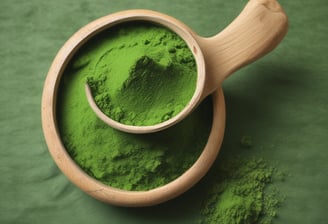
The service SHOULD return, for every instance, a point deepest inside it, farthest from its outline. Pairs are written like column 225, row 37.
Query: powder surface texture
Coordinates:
column 140, row 74
column 242, row 193
column 122, row 160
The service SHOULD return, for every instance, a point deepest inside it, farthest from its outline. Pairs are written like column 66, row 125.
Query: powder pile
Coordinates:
column 242, row 193
column 143, row 75
column 128, row 161
column 122, row 160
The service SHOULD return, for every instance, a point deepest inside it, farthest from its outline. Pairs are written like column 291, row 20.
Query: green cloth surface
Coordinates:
column 281, row 101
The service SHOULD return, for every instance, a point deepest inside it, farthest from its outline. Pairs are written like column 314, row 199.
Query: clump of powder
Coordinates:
column 142, row 75
column 242, row 193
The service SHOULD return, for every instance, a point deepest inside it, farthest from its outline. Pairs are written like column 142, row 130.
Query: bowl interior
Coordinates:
column 73, row 171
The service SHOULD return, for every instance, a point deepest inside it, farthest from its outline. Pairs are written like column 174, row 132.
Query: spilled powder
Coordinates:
column 243, row 193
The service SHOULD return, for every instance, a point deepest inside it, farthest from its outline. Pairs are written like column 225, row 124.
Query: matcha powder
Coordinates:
column 140, row 74
column 156, row 79
column 242, row 192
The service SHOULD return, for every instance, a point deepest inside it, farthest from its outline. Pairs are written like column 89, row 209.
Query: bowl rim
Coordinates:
column 67, row 165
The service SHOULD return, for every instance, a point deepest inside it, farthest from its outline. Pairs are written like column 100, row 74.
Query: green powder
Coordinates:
column 128, row 161
column 140, row 74
column 242, row 193
column 122, row 160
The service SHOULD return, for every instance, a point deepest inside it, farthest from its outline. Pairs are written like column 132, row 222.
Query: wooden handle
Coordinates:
column 255, row 32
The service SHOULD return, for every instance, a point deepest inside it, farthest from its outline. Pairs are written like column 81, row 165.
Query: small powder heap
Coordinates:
column 142, row 75
column 241, row 193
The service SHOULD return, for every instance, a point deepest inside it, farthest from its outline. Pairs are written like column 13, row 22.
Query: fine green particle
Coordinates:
column 134, row 71
column 118, row 159
column 241, row 193
column 246, row 141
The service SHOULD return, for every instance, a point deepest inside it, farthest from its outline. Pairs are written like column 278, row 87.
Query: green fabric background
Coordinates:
column 281, row 101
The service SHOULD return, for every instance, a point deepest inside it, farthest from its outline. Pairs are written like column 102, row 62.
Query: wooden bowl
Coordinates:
column 166, row 192
column 256, row 31
column 78, row 176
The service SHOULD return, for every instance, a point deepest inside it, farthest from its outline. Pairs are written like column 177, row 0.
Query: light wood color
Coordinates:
column 256, row 31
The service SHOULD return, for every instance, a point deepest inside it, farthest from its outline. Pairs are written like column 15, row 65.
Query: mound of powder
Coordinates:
column 141, row 74
column 243, row 193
